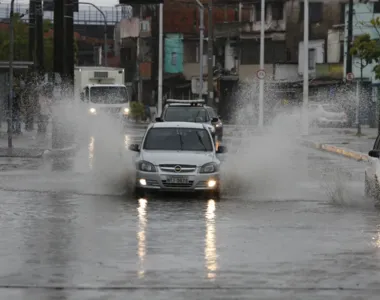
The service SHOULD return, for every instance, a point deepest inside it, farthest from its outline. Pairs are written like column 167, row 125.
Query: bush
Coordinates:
column 137, row 110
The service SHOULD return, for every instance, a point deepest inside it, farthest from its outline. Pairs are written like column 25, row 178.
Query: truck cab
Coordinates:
column 106, row 98
column 102, row 91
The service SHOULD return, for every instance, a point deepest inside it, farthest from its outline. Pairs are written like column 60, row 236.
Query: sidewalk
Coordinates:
column 29, row 144
column 343, row 142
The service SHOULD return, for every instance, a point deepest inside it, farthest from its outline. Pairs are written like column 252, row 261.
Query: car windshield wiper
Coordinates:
column 181, row 141
column 201, row 141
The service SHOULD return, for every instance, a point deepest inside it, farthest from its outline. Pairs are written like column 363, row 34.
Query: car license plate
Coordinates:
column 177, row 180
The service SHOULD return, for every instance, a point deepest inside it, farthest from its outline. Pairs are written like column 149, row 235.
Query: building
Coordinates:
column 236, row 46
column 363, row 14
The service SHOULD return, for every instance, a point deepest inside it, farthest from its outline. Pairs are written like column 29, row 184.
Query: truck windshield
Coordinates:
column 108, row 94
column 178, row 139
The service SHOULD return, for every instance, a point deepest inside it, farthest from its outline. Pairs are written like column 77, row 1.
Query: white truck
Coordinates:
column 102, row 90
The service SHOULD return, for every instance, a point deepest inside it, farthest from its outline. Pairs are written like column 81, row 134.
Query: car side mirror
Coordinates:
column 158, row 119
column 134, row 147
column 214, row 120
column 374, row 153
column 221, row 149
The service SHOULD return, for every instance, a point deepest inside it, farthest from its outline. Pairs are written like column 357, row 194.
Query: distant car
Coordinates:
column 192, row 111
column 372, row 173
column 327, row 115
column 177, row 157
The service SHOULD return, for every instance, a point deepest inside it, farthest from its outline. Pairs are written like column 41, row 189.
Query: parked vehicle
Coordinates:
column 372, row 173
column 327, row 115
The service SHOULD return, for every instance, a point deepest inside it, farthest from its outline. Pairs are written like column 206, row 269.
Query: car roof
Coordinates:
column 186, row 105
column 177, row 124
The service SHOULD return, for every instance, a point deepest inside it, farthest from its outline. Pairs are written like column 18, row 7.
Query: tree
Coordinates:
column 366, row 49
column 21, row 45
column 20, row 42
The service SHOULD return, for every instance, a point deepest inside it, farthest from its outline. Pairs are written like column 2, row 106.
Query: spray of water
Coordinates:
column 269, row 163
column 265, row 164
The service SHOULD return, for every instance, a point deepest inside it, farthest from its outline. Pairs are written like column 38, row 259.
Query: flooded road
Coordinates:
column 76, row 235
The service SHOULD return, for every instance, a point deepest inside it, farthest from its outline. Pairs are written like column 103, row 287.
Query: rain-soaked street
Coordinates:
column 78, row 234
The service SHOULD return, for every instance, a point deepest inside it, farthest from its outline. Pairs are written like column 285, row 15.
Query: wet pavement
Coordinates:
column 298, row 230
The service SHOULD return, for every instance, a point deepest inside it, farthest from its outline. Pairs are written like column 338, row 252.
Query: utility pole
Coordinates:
column 210, row 55
column 10, row 97
column 59, row 60
column 262, row 43
column 140, row 58
column 69, row 41
column 29, row 122
column 39, row 31
column 160, row 59
column 32, row 30
column 349, row 36
column 201, row 40
column 305, row 106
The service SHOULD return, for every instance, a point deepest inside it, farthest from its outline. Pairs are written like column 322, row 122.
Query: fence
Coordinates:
column 86, row 15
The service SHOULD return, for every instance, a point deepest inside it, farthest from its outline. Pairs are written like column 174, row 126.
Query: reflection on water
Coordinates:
column 210, row 243
column 141, row 238
column 91, row 146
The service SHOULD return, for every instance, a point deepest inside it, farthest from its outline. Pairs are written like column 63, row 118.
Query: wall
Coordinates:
column 286, row 72
column 319, row 47
column 184, row 18
column 361, row 26
column 249, row 71
column 253, row 25
column 334, row 42
column 173, row 53
column 331, row 15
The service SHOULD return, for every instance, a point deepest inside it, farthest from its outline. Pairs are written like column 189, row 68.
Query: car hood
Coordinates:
column 177, row 157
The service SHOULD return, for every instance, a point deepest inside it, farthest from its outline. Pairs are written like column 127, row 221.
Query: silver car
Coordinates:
column 177, row 157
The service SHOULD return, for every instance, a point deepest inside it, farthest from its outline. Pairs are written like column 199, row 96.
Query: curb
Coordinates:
column 358, row 156
column 61, row 153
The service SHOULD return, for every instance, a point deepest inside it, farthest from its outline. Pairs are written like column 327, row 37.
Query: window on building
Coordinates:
column 342, row 13
column 376, row 7
column 312, row 59
column 174, row 59
column 277, row 11
column 258, row 12
column 315, row 12
column 128, row 54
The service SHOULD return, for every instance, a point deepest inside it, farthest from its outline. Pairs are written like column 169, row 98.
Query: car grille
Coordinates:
column 110, row 110
column 177, row 185
column 184, row 168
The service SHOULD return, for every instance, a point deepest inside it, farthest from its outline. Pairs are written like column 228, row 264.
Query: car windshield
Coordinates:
column 186, row 114
column 178, row 139
column 332, row 108
column 109, row 95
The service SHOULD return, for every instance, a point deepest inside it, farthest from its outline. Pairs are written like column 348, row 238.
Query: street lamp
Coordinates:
column 11, row 49
column 305, row 106
column 105, row 28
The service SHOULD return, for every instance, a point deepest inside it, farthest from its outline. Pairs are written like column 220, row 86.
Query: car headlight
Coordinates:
column 209, row 168
column 126, row 111
column 146, row 166
column 92, row 111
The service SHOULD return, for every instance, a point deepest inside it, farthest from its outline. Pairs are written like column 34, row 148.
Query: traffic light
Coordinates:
column 134, row 2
